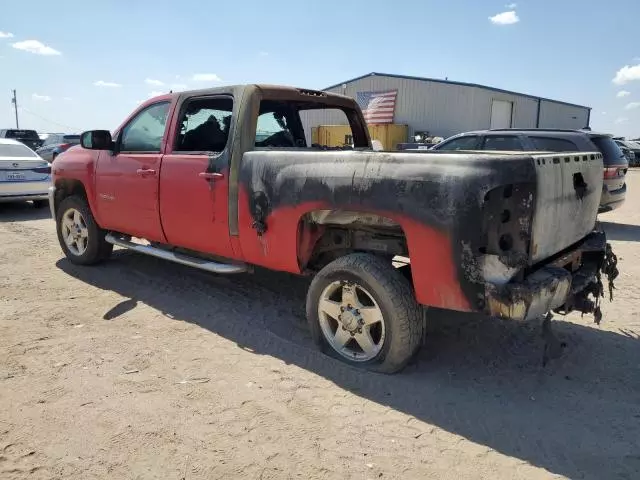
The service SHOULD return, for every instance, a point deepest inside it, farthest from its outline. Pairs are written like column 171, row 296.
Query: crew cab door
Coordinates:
column 127, row 179
column 194, row 178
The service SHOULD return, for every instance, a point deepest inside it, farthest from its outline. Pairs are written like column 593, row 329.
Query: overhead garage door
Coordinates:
column 501, row 111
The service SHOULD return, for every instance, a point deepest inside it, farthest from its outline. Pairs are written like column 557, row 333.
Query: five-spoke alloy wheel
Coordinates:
column 362, row 310
column 80, row 237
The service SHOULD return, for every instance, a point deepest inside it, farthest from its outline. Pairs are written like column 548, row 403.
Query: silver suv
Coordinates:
column 511, row 139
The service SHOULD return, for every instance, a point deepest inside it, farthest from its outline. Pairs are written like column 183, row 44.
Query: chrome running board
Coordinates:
column 180, row 258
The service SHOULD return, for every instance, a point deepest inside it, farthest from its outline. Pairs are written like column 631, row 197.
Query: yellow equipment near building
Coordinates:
column 388, row 134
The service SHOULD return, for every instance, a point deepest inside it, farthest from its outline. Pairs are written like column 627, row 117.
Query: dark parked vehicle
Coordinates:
column 29, row 137
column 634, row 151
column 55, row 144
column 615, row 163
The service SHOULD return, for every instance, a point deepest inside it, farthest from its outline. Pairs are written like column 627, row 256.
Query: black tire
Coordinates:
column 392, row 292
column 97, row 248
column 40, row 203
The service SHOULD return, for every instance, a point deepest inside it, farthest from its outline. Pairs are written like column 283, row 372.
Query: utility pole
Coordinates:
column 14, row 100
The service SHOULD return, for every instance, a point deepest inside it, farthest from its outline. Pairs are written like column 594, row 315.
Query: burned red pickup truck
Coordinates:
column 227, row 179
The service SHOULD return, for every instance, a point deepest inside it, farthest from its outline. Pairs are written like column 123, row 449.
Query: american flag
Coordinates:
column 377, row 107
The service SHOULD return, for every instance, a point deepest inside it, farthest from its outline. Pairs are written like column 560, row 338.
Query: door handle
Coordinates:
column 143, row 172
column 211, row 175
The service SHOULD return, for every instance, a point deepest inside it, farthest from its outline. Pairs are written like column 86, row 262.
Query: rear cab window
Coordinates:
column 22, row 134
column 611, row 152
column 301, row 124
column 16, row 151
column 551, row 144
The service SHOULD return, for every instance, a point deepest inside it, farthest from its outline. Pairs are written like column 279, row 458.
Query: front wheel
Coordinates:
column 363, row 311
column 80, row 237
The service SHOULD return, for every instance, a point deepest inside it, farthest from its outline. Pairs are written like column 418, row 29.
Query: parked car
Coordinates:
column 629, row 155
column 633, row 149
column 55, row 144
column 23, row 174
column 615, row 163
column 29, row 137
column 186, row 174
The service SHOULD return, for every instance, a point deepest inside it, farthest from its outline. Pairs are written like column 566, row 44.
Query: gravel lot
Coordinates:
column 143, row 369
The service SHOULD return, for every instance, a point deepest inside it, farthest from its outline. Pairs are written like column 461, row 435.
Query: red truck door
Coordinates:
column 194, row 183
column 127, row 182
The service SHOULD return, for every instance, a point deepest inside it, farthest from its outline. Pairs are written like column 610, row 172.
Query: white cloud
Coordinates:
column 632, row 106
column 102, row 83
column 68, row 99
column 40, row 98
column 505, row 18
column 6, row 34
column 620, row 120
column 155, row 94
column 154, row 82
column 627, row 74
column 178, row 87
column 623, row 93
column 511, row 6
column 206, row 77
column 34, row 46
column 263, row 54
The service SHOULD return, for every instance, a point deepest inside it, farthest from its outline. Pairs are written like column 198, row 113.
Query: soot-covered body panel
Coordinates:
column 438, row 200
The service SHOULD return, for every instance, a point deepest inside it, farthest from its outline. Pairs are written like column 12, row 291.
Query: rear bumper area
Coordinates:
column 562, row 285
column 612, row 199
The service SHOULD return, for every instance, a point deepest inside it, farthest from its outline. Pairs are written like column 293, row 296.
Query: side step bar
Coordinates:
column 200, row 263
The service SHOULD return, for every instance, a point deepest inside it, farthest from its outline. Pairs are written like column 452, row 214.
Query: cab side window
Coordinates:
column 204, row 125
column 145, row 131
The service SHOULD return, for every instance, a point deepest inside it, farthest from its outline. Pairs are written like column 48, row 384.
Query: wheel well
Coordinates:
column 325, row 235
column 68, row 187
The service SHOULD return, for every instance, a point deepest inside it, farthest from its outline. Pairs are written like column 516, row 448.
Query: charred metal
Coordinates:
column 569, row 282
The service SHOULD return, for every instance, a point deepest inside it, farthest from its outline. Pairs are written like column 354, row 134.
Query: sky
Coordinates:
column 79, row 65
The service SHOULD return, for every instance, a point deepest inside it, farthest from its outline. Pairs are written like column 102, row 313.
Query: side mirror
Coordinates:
column 96, row 140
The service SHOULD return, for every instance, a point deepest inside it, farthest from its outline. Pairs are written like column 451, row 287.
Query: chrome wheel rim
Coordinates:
column 74, row 231
column 351, row 321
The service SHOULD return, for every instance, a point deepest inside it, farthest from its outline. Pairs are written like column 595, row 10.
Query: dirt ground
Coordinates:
column 144, row 369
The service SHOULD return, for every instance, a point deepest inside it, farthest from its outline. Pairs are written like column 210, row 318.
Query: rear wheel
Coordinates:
column 80, row 237
column 362, row 311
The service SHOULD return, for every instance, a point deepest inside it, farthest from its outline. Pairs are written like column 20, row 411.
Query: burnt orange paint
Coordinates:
column 433, row 267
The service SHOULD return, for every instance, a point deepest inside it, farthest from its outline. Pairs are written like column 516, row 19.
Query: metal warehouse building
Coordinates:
column 444, row 108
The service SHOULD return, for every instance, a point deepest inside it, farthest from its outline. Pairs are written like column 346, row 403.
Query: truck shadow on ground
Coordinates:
column 478, row 378
column 621, row 231
column 22, row 212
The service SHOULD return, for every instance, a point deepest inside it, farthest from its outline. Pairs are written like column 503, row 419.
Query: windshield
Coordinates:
column 24, row 134
column 71, row 139
column 16, row 151
column 611, row 153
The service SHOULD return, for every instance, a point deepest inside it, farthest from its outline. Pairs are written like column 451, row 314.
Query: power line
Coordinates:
column 48, row 120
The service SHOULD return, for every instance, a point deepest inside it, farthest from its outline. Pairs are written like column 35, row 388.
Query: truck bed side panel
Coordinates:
column 436, row 200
